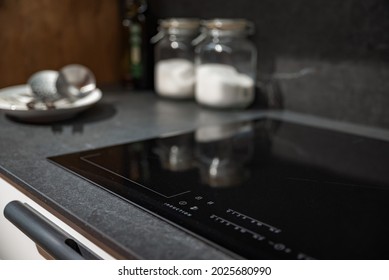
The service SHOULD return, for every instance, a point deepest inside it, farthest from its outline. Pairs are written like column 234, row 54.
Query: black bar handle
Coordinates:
column 51, row 238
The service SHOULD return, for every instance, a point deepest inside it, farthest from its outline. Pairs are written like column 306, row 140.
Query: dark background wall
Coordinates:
column 335, row 30
column 324, row 57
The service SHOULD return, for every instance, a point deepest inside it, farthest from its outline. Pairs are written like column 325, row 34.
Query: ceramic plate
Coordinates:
column 14, row 100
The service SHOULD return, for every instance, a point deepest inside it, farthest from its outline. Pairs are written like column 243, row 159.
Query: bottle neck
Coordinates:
column 134, row 7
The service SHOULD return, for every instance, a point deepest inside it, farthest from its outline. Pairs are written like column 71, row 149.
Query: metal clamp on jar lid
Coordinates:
column 181, row 24
column 224, row 27
column 176, row 26
column 226, row 24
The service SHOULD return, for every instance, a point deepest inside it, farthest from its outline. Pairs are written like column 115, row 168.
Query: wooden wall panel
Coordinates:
column 48, row 34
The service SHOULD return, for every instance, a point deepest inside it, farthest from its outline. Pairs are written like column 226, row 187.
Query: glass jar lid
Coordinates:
column 226, row 24
column 183, row 23
column 180, row 25
column 226, row 27
column 176, row 26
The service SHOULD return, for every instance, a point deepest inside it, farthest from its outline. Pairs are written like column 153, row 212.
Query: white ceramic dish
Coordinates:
column 14, row 100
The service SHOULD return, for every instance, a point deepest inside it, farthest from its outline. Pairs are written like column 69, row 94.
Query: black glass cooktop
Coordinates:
column 260, row 189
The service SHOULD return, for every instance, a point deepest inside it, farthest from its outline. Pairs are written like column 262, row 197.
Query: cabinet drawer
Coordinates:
column 29, row 224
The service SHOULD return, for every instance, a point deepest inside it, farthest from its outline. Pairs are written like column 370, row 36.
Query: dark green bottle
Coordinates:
column 135, row 45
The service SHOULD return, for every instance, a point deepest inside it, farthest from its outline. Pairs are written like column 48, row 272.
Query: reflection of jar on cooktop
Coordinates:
column 225, row 64
column 174, row 54
column 223, row 152
column 176, row 153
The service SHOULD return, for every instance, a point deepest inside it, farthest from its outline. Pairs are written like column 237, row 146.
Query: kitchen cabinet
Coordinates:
column 15, row 244
column 63, row 32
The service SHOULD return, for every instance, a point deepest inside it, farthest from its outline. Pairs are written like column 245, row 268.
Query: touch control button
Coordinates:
column 182, row 202
column 194, row 208
column 199, row 197
column 210, row 202
column 279, row 246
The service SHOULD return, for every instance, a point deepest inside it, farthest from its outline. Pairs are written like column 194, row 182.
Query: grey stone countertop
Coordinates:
column 118, row 118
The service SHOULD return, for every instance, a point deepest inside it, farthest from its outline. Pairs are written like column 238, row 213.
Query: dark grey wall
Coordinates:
column 325, row 57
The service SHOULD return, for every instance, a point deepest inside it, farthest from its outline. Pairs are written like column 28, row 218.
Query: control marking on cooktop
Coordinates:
column 280, row 247
column 84, row 158
column 242, row 229
column 252, row 220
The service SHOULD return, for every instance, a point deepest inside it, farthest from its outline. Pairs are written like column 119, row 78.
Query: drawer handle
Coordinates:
column 47, row 235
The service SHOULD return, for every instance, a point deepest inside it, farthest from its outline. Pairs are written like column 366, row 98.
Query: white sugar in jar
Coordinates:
column 221, row 86
column 175, row 78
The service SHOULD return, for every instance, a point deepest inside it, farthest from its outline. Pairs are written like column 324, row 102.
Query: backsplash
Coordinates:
column 328, row 58
column 319, row 29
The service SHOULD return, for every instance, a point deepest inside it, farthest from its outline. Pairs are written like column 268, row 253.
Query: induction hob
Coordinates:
column 260, row 189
